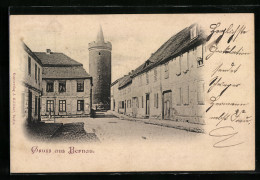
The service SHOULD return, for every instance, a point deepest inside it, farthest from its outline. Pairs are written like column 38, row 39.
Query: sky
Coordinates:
column 134, row 37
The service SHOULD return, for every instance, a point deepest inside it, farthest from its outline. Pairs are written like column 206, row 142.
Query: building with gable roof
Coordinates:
column 170, row 84
column 66, row 86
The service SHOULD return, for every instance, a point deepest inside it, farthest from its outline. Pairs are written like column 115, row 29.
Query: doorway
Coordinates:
column 30, row 107
column 167, row 104
column 147, row 109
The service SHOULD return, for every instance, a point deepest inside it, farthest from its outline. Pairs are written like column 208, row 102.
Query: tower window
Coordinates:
column 99, row 53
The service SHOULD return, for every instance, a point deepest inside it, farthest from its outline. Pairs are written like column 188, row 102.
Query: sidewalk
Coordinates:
column 198, row 128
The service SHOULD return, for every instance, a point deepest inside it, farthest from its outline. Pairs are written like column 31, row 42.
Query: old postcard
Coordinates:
column 126, row 93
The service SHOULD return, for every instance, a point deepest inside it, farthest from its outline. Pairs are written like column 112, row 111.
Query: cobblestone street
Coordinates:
column 74, row 132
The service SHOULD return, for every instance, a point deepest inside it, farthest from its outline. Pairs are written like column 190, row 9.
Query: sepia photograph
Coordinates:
column 132, row 92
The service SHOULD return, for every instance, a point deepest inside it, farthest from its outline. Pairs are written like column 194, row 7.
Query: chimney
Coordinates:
column 48, row 51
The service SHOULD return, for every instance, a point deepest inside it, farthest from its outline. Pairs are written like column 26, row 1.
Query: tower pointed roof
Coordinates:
column 100, row 36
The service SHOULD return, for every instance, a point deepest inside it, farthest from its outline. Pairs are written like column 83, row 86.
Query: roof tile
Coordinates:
column 56, row 59
column 72, row 72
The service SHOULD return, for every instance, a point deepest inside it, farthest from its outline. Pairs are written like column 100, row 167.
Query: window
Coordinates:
column 200, row 93
column 200, row 56
column 62, row 105
column 179, row 64
column 80, row 86
column 50, row 106
column 36, row 73
column 156, row 100
column 39, row 75
column 36, row 103
column 186, row 96
column 62, row 86
column 200, row 61
column 179, row 97
column 187, row 61
column 147, row 78
column 193, row 32
column 80, row 105
column 135, row 102
column 166, row 70
column 155, row 74
column 29, row 65
column 49, row 87
column 121, row 104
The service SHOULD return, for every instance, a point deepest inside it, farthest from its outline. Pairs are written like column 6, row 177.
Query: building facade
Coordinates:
column 100, row 70
column 66, row 86
column 170, row 84
column 31, row 66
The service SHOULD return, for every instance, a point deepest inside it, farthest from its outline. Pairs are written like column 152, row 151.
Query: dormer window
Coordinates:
column 193, row 32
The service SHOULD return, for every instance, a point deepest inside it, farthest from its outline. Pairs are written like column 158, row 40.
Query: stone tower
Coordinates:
column 100, row 70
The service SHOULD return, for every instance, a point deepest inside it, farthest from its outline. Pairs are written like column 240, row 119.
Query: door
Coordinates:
column 39, row 109
column 30, row 107
column 147, row 112
column 167, row 104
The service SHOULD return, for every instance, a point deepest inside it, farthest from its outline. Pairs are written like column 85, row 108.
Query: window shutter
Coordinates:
column 200, row 93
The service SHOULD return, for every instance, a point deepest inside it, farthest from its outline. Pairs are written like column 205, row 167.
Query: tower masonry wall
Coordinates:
column 100, row 70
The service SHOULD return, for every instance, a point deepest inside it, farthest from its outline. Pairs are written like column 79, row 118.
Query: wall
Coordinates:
column 100, row 70
column 184, row 75
column 31, row 84
column 30, row 78
column 71, row 96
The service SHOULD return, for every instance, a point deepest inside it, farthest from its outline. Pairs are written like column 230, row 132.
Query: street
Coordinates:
column 109, row 128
